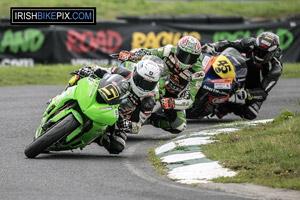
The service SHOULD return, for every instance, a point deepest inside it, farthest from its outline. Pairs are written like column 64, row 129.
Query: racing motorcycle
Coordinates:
column 87, row 109
column 224, row 74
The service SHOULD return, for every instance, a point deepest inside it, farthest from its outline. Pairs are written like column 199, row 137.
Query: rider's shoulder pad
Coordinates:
column 167, row 50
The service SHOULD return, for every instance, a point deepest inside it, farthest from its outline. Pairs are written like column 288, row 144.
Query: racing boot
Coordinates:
column 113, row 143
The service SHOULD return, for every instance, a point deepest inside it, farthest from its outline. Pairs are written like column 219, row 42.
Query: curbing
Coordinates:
column 184, row 160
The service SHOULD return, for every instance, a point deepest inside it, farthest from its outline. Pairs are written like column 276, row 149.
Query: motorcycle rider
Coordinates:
column 138, row 105
column 185, row 74
column 264, row 69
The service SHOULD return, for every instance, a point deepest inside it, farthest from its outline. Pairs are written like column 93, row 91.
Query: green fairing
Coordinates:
column 86, row 96
column 99, row 115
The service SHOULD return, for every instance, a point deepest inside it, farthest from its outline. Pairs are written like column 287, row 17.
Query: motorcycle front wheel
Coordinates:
column 55, row 133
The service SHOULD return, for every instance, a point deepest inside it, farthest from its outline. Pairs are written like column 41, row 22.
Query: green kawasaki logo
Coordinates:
column 27, row 40
column 285, row 36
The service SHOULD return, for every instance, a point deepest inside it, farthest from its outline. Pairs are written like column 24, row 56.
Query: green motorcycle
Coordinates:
column 84, row 111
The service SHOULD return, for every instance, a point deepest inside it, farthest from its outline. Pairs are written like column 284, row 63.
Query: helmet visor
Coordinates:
column 142, row 83
column 262, row 55
column 185, row 57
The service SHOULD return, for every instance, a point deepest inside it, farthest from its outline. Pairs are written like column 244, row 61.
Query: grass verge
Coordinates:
column 60, row 74
column 37, row 75
column 156, row 162
column 268, row 154
column 291, row 70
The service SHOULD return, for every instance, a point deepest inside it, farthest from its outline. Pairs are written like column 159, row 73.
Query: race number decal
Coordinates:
column 110, row 92
column 223, row 67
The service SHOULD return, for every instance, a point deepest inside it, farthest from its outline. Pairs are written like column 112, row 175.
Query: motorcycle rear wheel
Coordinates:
column 55, row 133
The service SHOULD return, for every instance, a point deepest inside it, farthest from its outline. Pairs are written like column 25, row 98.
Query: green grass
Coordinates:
column 110, row 9
column 60, row 74
column 181, row 148
column 291, row 70
column 38, row 75
column 268, row 154
column 156, row 162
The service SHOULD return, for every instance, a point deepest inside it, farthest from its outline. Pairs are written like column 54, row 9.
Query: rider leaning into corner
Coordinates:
column 264, row 69
column 185, row 74
column 138, row 105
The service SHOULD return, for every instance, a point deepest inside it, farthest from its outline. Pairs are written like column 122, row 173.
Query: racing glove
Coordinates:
column 168, row 103
column 257, row 94
column 208, row 48
column 251, row 94
column 241, row 94
column 130, row 127
column 85, row 71
column 126, row 125
column 126, row 56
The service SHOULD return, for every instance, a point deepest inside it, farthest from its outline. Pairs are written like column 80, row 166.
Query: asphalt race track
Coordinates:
column 93, row 173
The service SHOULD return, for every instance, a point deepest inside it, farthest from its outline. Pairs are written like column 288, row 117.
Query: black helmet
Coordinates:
column 113, row 88
column 265, row 47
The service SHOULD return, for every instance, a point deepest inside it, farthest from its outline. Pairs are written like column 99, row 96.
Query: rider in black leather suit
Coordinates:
column 264, row 69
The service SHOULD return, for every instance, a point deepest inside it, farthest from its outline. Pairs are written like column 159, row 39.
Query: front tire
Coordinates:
column 55, row 133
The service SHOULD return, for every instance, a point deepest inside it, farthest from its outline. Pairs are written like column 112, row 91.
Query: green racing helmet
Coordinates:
column 187, row 52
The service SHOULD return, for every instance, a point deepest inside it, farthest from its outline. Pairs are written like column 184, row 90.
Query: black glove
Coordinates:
column 85, row 71
column 241, row 94
column 208, row 48
column 257, row 94
column 126, row 125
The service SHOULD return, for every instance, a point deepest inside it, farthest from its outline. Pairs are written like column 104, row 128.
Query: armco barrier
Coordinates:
column 190, row 19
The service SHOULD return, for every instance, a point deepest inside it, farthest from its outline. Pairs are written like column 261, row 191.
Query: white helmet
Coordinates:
column 145, row 77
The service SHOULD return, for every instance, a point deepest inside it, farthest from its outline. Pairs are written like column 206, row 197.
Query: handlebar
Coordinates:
column 81, row 76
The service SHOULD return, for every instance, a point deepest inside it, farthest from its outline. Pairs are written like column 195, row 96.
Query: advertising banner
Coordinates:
column 80, row 45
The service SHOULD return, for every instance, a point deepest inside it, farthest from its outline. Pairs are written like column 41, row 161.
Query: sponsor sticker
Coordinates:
column 198, row 75
column 219, row 100
column 116, row 113
column 106, row 108
column 222, row 85
column 91, row 80
column 266, row 43
column 205, row 61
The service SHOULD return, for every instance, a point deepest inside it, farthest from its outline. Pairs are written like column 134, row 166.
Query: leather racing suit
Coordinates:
column 259, row 80
column 182, row 85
